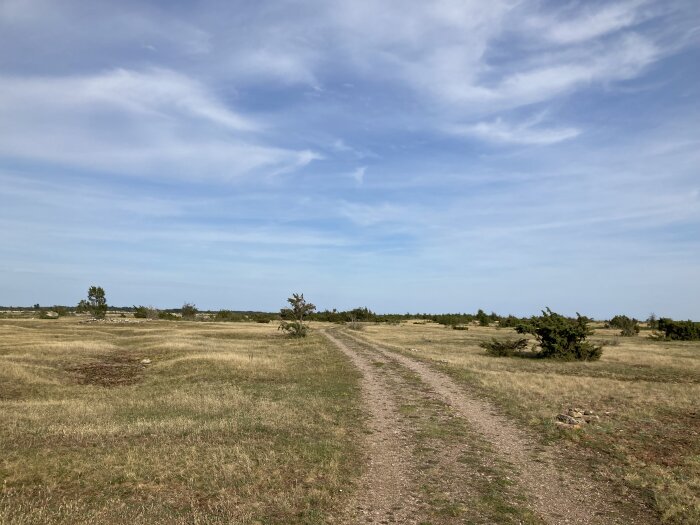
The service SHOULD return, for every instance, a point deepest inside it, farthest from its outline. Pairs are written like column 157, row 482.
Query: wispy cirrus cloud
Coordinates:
column 589, row 21
column 349, row 147
column 528, row 133
column 159, row 123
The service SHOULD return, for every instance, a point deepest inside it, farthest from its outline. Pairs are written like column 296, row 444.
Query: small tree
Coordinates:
column 96, row 303
column 293, row 318
column 628, row 327
column 482, row 318
column 189, row 311
column 652, row 321
column 561, row 337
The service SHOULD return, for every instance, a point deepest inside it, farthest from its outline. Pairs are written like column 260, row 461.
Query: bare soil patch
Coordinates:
column 111, row 371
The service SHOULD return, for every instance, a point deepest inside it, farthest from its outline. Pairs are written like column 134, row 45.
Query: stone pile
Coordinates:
column 576, row 418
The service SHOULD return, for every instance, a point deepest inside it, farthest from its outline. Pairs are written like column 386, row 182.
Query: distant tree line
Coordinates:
column 293, row 318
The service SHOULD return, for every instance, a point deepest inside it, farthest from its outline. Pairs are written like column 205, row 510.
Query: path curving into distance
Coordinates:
column 393, row 488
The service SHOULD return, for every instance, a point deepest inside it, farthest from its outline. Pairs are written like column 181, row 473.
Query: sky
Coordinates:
column 407, row 156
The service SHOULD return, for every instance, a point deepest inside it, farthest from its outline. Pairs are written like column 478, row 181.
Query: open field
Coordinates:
column 646, row 393
column 227, row 424
column 410, row 423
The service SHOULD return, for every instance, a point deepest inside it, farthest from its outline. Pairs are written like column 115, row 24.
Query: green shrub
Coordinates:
column 96, row 303
column 293, row 318
column 652, row 322
column 189, row 311
column 459, row 327
column 227, row 315
column 561, row 337
column 628, row 327
column 504, row 347
column 679, row 330
column 146, row 312
column 167, row 316
column 508, row 322
column 62, row 311
column 482, row 318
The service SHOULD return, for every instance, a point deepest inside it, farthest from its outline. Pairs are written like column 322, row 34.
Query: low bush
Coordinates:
column 355, row 325
column 628, row 327
column 189, row 311
column 561, row 337
column 227, row 315
column 146, row 312
column 508, row 322
column 504, row 347
column 62, row 311
column 679, row 330
column 167, row 316
column 294, row 328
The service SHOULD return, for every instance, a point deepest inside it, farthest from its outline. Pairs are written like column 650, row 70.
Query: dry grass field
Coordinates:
column 228, row 423
column 646, row 393
column 236, row 423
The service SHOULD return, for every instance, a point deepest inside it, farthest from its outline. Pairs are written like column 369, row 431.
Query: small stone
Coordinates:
column 145, row 361
column 567, row 426
column 567, row 419
column 588, row 413
column 51, row 315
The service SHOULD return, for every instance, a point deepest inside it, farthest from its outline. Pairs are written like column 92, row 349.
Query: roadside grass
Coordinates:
column 646, row 393
column 227, row 423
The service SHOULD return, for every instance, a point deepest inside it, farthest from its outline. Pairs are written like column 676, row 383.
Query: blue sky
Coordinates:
column 403, row 155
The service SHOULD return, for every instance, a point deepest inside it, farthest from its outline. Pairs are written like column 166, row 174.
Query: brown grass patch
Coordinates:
column 112, row 371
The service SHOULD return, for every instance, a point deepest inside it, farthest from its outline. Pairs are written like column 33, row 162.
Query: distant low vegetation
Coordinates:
column 628, row 326
column 679, row 330
column 96, row 303
column 238, row 317
column 504, row 347
column 561, row 337
column 146, row 312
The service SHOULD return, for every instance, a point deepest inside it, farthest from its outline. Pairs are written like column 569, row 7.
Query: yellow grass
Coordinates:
column 228, row 423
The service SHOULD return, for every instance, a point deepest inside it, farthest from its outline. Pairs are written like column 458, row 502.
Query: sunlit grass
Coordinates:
column 228, row 423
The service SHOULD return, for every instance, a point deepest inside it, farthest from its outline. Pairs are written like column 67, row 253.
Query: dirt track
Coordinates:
column 398, row 488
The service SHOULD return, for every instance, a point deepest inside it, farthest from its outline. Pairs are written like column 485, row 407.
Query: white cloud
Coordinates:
column 526, row 133
column 359, row 174
column 589, row 22
column 546, row 77
column 156, row 121
column 370, row 214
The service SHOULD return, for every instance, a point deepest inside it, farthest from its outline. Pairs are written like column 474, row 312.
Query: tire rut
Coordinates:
column 385, row 489
column 555, row 494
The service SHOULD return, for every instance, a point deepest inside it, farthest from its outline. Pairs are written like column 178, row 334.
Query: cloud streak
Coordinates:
column 160, row 123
